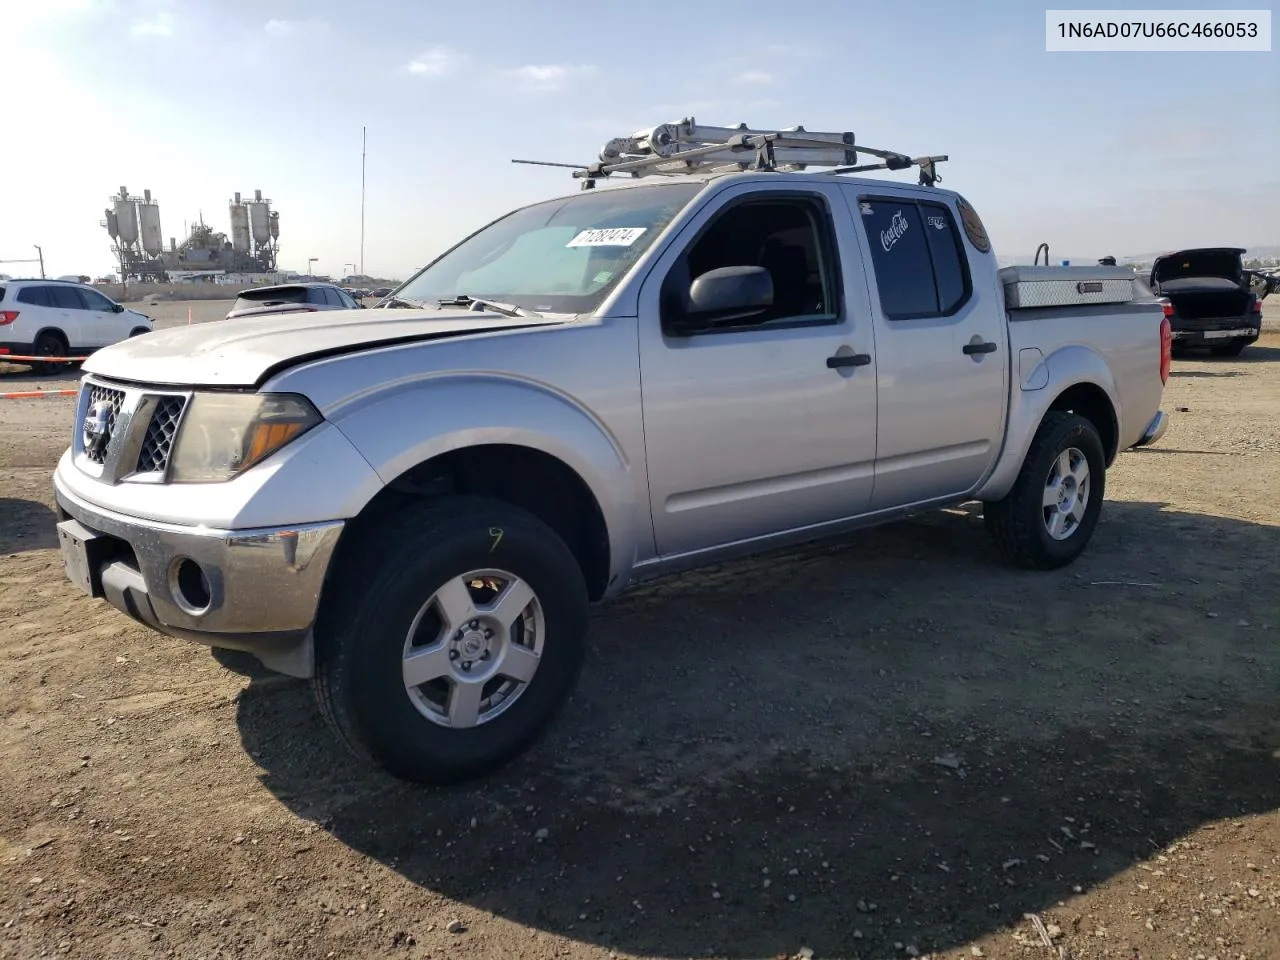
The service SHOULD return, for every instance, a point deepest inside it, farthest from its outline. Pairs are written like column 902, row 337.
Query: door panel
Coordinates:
column 109, row 326
column 941, row 410
column 81, row 325
column 749, row 431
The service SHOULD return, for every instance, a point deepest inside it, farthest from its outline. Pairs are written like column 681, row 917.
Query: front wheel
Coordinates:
column 1047, row 519
column 453, row 633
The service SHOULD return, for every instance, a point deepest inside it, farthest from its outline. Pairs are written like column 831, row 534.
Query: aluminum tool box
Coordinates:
column 1030, row 287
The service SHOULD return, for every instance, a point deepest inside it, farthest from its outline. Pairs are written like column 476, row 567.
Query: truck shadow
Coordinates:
column 890, row 738
column 26, row 525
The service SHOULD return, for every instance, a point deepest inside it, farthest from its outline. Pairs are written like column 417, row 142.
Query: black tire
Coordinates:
column 138, row 331
column 1232, row 349
column 50, row 343
column 385, row 577
column 1017, row 523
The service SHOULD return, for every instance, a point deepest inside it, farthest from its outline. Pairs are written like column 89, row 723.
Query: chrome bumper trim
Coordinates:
column 262, row 582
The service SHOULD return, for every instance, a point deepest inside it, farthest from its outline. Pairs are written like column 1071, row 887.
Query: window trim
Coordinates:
column 966, row 273
column 828, row 252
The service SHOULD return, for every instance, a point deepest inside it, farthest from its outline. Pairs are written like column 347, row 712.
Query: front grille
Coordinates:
column 158, row 443
column 113, row 398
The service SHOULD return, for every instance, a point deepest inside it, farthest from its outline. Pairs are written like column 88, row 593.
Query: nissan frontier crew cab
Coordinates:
column 415, row 505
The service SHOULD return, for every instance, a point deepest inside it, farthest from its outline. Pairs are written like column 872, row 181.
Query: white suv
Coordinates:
column 54, row 318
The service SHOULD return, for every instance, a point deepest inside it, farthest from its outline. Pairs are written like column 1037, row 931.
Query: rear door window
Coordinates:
column 900, row 255
column 949, row 271
column 919, row 263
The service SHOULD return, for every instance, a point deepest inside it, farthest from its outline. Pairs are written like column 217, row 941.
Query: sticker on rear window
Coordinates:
column 607, row 237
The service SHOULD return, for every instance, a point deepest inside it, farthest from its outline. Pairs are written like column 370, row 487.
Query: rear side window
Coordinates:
column 36, row 296
column 919, row 263
column 947, row 255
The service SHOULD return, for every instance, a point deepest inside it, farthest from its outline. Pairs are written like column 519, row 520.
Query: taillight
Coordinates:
column 1257, row 306
column 7, row 317
column 1166, row 349
column 1168, row 309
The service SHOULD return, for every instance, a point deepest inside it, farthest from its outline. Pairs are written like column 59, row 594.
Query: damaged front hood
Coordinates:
column 243, row 352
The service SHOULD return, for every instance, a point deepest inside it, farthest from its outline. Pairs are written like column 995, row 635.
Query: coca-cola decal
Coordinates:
column 897, row 227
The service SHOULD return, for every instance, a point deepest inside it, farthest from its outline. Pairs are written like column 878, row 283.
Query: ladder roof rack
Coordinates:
column 684, row 147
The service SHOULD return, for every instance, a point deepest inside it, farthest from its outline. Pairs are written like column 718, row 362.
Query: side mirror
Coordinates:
column 729, row 295
column 117, row 308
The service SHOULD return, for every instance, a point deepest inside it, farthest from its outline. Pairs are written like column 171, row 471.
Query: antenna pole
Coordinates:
column 363, row 143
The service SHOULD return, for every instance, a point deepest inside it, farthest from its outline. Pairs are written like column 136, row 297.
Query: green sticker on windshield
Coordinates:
column 604, row 276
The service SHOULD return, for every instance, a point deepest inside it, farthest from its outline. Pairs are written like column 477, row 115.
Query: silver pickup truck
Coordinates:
column 415, row 506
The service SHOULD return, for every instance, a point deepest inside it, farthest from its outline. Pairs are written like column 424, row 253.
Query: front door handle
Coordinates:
column 848, row 360
column 972, row 348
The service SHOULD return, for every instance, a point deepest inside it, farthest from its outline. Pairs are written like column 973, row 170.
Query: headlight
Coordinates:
column 224, row 434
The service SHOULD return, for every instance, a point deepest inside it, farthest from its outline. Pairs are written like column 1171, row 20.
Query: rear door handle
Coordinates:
column 848, row 360
column 972, row 348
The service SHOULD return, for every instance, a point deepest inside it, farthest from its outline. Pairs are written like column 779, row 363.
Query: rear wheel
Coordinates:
column 453, row 634
column 50, row 343
column 1047, row 519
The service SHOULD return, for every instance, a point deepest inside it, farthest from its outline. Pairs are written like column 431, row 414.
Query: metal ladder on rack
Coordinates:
column 685, row 147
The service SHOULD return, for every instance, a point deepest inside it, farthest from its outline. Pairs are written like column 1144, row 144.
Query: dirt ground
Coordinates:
column 884, row 746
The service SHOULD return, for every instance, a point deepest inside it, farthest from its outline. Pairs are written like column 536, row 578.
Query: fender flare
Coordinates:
column 1067, row 367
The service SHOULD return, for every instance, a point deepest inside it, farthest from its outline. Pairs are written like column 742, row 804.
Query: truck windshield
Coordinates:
column 561, row 256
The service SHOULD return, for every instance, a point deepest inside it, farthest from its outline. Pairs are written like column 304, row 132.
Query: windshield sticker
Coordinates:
column 897, row 227
column 604, row 276
column 607, row 237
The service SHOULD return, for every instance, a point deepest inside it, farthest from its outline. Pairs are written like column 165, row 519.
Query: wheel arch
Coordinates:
column 55, row 331
column 1088, row 400
column 521, row 475
column 1079, row 382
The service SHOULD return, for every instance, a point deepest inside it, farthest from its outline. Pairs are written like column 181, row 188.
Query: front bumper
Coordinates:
column 256, row 590
column 1155, row 429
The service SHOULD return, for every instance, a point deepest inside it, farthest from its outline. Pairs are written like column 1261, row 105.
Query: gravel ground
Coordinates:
column 884, row 746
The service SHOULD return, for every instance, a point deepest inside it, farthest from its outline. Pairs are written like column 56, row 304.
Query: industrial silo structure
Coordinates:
column 239, row 226
column 260, row 219
column 126, row 208
column 149, row 226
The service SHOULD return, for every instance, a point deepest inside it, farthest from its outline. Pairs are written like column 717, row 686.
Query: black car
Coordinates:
column 290, row 298
column 1210, row 299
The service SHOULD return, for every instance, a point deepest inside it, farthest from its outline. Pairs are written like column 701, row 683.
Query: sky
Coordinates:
column 1094, row 153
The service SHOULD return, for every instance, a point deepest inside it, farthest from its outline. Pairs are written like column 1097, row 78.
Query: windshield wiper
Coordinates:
column 391, row 302
column 480, row 303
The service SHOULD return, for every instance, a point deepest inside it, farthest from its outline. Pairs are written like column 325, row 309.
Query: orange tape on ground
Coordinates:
column 5, row 357
column 37, row 394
